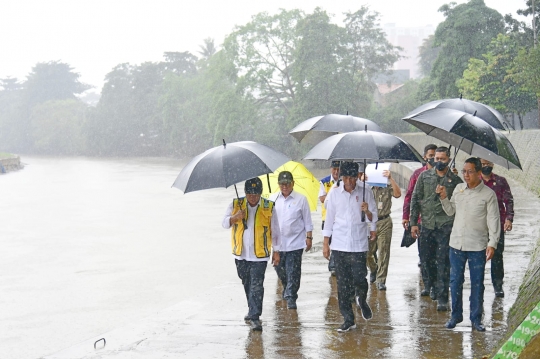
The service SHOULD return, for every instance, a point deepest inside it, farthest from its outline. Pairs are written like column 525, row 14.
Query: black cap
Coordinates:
column 349, row 169
column 285, row 177
column 335, row 164
column 253, row 186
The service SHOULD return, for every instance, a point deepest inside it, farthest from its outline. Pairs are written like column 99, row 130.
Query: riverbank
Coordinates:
column 9, row 162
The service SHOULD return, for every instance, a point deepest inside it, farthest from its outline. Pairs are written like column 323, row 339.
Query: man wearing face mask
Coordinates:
column 436, row 225
column 429, row 157
column 506, row 209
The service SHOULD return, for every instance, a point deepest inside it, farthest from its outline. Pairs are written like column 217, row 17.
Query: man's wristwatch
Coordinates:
column 309, row 237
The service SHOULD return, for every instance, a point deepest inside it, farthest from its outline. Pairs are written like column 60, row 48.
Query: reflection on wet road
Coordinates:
column 147, row 272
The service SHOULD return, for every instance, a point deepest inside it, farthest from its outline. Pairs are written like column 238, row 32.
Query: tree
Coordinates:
column 465, row 33
column 208, row 49
column 490, row 81
column 10, row 84
column 57, row 127
column 427, row 55
column 527, row 72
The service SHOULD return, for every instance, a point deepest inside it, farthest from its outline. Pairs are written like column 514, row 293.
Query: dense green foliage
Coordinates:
column 269, row 75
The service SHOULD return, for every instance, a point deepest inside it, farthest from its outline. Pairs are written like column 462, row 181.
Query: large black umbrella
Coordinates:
column 228, row 164
column 368, row 146
column 484, row 112
column 467, row 133
column 333, row 124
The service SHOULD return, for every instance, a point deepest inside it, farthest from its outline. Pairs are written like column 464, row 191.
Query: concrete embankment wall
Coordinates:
column 10, row 164
column 527, row 146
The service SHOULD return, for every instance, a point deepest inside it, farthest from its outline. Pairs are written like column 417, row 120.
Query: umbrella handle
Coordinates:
column 240, row 202
column 363, row 215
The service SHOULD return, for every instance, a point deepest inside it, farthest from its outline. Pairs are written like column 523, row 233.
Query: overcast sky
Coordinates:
column 93, row 36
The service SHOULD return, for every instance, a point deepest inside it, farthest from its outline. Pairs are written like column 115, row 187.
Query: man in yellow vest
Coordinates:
column 255, row 233
column 326, row 185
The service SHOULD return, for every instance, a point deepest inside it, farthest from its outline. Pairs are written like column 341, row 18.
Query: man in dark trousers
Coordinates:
column 474, row 238
column 429, row 157
column 296, row 228
column 252, row 246
column 436, row 225
column 344, row 208
column 506, row 209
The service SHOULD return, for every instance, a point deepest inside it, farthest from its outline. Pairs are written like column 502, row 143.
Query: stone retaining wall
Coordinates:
column 10, row 164
column 527, row 145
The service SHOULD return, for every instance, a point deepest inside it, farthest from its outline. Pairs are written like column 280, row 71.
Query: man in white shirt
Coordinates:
column 344, row 207
column 474, row 238
column 293, row 213
column 255, row 233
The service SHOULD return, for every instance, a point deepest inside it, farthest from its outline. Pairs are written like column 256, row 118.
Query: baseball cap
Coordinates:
column 285, row 177
column 253, row 186
column 349, row 169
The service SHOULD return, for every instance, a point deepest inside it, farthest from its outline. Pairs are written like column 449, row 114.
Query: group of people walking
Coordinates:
column 453, row 222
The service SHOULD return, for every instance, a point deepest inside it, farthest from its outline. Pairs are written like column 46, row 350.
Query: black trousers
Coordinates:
column 289, row 271
column 497, row 264
column 331, row 263
column 252, row 275
column 434, row 249
column 351, row 272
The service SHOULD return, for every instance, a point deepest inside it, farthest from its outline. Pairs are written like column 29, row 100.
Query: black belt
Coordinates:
column 383, row 217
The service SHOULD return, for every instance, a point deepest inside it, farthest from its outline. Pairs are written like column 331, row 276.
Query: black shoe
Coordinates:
column 291, row 304
column 381, row 286
column 478, row 327
column 424, row 292
column 345, row 327
column 499, row 292
column 372, row 277
column 451, row 324
column 256, row 325
column 367, row 314
column 442, row 306
column 432, row 293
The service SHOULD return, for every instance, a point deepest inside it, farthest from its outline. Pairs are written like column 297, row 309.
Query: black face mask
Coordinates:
column 487, row 170
column 440, row 166
column 431, row 161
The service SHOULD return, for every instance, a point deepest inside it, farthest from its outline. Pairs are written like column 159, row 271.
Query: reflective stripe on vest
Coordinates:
column 262, row 230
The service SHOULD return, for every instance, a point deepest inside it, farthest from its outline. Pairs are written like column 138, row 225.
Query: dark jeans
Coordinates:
column 289, row 272
column 252, row 275
column 422, row 269
column 497, row 265
column 435, row 263
column 477, row 265
column 351, row 272
column 331, row 263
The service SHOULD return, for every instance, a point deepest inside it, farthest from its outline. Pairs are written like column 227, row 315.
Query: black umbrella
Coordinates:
column 228, row 164
column 368, row 146
column 467, row 133
column 332, row 124
column 484, row 112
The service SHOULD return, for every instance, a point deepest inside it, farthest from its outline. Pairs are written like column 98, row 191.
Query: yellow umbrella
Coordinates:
column 304, row 182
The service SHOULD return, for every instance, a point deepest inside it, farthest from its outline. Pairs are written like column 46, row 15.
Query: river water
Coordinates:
column 91, row 244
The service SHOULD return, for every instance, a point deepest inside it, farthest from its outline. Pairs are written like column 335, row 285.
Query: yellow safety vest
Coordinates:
column 327, row 187
column 263, row 231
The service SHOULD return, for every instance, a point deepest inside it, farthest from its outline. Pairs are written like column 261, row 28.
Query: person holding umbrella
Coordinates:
column 294, row 217
column 326, row 185
column 474, row 238
column 344, row 208
column 255, row 233
column 436, row 225
column 506, row 209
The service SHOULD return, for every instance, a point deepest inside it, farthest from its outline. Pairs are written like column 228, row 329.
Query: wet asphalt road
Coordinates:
column 404, row 324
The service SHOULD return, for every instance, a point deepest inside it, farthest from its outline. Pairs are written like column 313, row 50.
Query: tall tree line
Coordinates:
column 266, row 77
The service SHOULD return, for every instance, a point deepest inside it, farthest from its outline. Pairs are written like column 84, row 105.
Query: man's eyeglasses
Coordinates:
column 470, row 172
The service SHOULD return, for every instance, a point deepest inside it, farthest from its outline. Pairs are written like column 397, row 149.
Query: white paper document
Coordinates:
column 374, row 173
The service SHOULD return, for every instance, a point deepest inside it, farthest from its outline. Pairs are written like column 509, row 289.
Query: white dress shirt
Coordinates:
column 248, row 241
column 344, row 221
column 294, row 220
